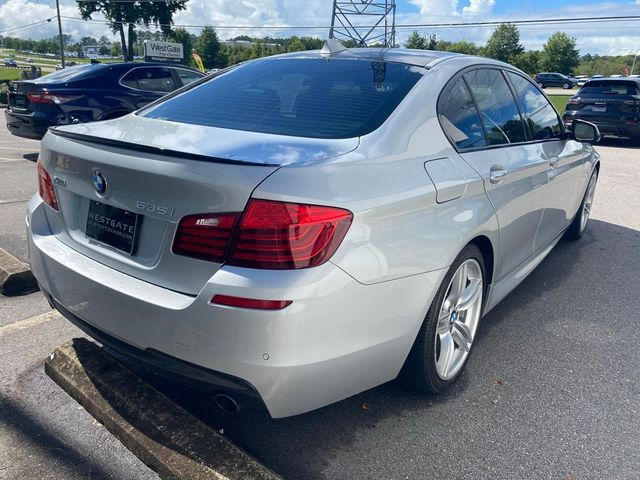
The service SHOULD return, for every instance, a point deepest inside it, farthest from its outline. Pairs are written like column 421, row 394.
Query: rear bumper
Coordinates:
column 336, row 339
column 29, row 125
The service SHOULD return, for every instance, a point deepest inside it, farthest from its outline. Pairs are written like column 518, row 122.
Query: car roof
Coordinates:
column 422, row 58
column 616, row 80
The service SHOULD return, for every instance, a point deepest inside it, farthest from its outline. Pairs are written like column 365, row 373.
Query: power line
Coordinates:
column 28, row 25
column 541, row 21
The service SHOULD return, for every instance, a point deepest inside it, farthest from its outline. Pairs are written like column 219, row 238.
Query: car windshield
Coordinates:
column 610, row 88
column 71, row 73
column 314, row 98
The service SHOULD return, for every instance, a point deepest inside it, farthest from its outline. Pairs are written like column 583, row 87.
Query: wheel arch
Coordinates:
column 486, row 248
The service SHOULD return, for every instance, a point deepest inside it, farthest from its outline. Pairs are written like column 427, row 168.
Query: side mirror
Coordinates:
column 584, row 131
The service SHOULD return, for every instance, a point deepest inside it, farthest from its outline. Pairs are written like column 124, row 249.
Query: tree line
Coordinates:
column 559, row 53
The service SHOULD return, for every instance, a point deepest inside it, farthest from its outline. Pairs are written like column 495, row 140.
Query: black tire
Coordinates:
column 419, row 370
column 576, row 229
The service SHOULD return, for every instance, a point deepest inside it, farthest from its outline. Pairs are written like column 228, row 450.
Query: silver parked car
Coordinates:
column 301, row 228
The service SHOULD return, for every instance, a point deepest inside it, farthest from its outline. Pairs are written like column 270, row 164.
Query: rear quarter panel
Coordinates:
column 399, row 228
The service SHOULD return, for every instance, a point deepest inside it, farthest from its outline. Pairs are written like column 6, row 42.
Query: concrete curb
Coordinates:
column 15, row 276
column 159, row 432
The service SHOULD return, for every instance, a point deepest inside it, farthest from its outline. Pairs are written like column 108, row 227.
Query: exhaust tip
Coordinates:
column 226, row 403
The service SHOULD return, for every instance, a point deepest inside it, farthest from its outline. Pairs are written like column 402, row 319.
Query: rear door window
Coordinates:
column 151, row 79
column 187, row 76
column 459, row 118
column 540, row 116
column 498, row 109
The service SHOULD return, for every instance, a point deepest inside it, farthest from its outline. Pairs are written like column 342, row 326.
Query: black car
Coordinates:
column 9, row 62
column 89, row 92
column 613, row 104
column 547, row 79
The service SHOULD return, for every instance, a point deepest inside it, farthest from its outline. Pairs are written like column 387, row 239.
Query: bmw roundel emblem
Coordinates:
column 99, row 182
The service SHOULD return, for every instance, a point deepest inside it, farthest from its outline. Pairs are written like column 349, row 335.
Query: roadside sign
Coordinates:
column 163, row 51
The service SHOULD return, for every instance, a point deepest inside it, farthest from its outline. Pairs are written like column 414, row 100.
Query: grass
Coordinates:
column 9, row 74
column 559, row 101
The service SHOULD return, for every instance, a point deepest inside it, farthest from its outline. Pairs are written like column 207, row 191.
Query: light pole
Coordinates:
column 60, row 34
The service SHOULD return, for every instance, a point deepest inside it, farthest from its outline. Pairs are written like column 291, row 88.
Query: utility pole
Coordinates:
column 60, row 34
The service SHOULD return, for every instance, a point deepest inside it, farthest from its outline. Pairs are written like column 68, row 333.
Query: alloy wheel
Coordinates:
column 458, row 319
column 588, row 202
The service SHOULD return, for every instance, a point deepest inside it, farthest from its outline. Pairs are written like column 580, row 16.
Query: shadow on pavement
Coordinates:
column 528, row 339
column 29, row 431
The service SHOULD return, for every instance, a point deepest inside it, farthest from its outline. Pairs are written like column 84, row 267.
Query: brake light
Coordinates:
column 633, row 103
column 45, row 187
column 250, row 302
column 50, row 98
column 279, row 235
column 573, row 101
column 205, row 236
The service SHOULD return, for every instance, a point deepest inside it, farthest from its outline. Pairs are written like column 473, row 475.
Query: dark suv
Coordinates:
column 613, row 104
column 89, row 92
column 546, row 79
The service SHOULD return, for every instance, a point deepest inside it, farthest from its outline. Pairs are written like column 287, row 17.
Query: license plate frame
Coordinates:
column 112, row 226
column 20, row 101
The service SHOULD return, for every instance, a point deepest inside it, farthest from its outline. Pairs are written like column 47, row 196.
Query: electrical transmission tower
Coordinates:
column 366, row 22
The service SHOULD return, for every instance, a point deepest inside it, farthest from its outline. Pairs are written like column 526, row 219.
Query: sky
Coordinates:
column 610, row 38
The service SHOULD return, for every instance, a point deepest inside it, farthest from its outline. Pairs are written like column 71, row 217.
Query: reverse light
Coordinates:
column 281, row 235
column 250, row 302
column 46, row 188
column 205, row 236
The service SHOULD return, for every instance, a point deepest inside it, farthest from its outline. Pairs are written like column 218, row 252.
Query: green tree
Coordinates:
column 463, row 46
column 528, row 62
column 416, row 41
column 126, row 15
column 296, row 46
column 560, row 54
column 180, row 35
column 504, row 43
column 208, row 47
column 116, row 49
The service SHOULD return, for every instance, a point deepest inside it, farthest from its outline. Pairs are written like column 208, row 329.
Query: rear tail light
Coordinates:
column 50, row 98
column 279, row 235
column 250, row 302
column 205, row 236
column 45, row 187
column 270, row 235
column 633, row 103
column 573, row 101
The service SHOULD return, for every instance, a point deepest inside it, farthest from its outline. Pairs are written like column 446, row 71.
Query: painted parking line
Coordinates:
column 9, row 160
column 14, row 200
column 22, row 149
column 29, row 322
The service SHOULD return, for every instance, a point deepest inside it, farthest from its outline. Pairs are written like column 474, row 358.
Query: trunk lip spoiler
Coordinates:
column 156, row 150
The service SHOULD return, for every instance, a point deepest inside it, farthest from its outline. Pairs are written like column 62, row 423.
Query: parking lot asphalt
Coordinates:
column 551, row 390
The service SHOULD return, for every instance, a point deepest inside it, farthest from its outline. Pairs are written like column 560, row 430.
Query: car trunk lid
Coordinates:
column 159, row 172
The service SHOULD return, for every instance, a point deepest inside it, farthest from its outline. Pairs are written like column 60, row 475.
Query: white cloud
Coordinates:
column 479, row 7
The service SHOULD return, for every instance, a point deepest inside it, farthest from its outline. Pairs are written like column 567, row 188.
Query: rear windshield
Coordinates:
column 314, row 98
column 72, row 73
column 609, row 88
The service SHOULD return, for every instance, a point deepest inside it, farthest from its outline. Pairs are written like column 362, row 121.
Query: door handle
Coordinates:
column 496, row 175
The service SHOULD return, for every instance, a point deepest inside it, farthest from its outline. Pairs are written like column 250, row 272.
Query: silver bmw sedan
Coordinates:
column 300, row 228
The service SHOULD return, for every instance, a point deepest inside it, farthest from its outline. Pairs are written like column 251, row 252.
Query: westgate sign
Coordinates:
column 163, row 51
